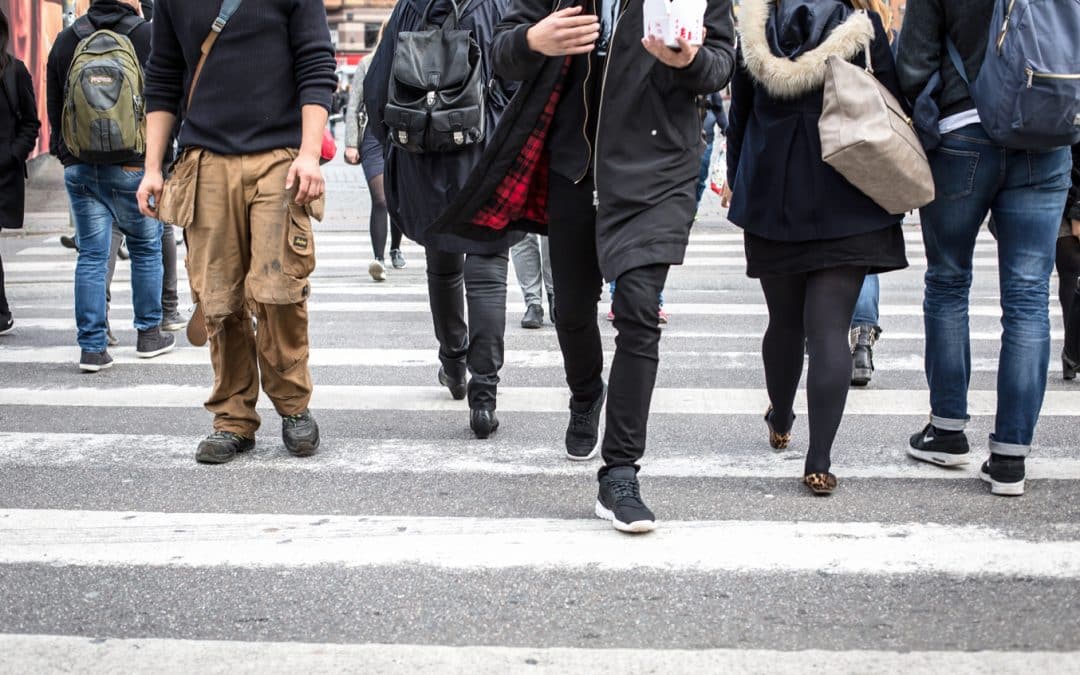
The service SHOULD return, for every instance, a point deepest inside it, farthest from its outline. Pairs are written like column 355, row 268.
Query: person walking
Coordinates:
column 245, row 189
column 811, row 237
column 1068, row 267
column 1025, row 192
column 532, row 264
column 617, row 201
column 419, row 186
column 19, row 127
column 362, row 146
column 101, row 181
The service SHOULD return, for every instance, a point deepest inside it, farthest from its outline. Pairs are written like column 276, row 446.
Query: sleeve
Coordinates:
column 27, row 134
column 377, row 80
column 919, row 49
column 742, row 102
column 1073, row 205
column 164, row 73
column 352, row 110
column 511, row 57
column 884, row 63
column 711, row 69
column 54, row 97
column 314, row 66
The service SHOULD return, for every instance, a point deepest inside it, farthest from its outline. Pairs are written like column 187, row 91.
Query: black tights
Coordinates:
column 377, row 224
column 813, row 310
column 1068, row 267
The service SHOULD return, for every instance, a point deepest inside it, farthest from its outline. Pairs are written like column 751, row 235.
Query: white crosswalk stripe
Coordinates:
column 406, row 546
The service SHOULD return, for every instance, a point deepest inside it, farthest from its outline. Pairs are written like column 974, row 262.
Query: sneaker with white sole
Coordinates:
column 377, row 270
column 619, row 501
column 1004, row 474
column 173, row 321
column 153, row 342
column 92, row 362
column 944, row 449
column 7, row 325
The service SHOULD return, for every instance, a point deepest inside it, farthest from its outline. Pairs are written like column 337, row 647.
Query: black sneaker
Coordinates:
column 92, row 362
column 7, row 325
column 620, row 502
column 68, row 241
column 173, row 321
column 483, row 423
column 300, row 433
column 534, row 317
column 1005, row 475
column 396, row 259
column 863, row 339
column 152, row 342
column 943, row 450
column 221, row 447
column 458, row 388
column 583, row 431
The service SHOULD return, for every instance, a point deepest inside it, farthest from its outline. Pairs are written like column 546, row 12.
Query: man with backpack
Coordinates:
column 254, row 81
column 1009, row 107
column 96, row 111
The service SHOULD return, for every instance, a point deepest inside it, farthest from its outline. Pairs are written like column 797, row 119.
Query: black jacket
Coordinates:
column 19, row 127
column 921, row 51
column 104, row 14
column 1072, row 207
column 646, row 152
column 782, row 189
column 420, row 186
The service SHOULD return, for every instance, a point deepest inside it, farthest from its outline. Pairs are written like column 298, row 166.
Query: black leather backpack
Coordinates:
column 436, row 95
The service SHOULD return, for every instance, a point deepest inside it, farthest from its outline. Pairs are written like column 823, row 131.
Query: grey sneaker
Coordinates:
column 396, row 259
column 173, row 321
column 92, row 362
column 153, row 343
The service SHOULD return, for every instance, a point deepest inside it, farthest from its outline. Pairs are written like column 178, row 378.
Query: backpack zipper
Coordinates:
column 1031, row 75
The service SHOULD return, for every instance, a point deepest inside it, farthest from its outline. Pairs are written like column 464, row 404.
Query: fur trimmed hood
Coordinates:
column 789, row 78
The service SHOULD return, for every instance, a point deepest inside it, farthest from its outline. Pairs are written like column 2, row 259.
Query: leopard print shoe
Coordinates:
column 776, row 440
column 820, row 483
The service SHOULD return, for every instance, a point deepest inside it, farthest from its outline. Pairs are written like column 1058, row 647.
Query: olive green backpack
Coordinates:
column 104, row 115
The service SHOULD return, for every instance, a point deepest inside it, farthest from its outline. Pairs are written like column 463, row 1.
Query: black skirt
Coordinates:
column 879, row 251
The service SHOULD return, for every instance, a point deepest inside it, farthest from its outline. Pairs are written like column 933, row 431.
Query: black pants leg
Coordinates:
column 633, row 369
column 446, row 294
column 5, row 310
column 575, row 273
column 169, row 298
column 395, row 235
column 378, row 219
column 818, row 306
column 1068, row 267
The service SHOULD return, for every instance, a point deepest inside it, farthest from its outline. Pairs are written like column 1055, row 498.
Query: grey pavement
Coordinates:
column 997, row 578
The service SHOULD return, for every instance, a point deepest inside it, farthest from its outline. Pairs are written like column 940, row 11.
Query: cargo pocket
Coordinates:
column 298, row 258
column 177, row 204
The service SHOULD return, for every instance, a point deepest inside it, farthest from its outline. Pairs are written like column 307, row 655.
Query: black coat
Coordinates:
column 782, row 189
column 19, row 127
column 420, row 186
column 648, row 143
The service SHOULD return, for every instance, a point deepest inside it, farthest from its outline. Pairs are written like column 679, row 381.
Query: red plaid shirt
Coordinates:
column 523, row 193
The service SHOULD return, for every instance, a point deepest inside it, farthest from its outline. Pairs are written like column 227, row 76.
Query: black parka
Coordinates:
column 19, row 127
column 648, row 143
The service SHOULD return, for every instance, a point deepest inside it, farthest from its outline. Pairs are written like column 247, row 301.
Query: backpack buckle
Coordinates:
column 403, row 136
column 430, row 99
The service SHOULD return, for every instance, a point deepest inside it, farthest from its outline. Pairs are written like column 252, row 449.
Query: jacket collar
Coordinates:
column 790, row 78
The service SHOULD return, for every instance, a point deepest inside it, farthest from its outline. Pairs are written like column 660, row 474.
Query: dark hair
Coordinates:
column 5, row 37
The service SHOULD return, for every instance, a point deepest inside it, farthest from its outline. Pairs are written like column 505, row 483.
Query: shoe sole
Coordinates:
column 532, row 326
column 585, row 458
column 305, row 449
column 377, row 271
column 8, row 331
column 158, row 352
column 484, row 435
column 1003, row 489
column 212, row 459
column 636, row 527
column 861, row 377
column 91, row 368
column 939, row 458
column 173, row 327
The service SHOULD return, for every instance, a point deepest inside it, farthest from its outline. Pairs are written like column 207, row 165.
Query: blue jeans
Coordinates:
column 1025, row 192
column 100, row 196
column 866, row 309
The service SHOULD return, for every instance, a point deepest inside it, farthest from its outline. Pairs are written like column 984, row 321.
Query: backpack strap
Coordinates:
column 128, row 24
column 957, row 60
column 84, row 27
column 228, row 8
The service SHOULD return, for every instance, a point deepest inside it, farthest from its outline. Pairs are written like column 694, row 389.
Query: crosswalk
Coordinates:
column 406, row 546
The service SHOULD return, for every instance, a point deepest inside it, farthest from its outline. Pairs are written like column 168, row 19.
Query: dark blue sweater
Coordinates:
column 274, row 57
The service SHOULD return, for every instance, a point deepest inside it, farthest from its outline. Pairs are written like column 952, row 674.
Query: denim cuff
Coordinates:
column 946, row 424
column 1008, row 449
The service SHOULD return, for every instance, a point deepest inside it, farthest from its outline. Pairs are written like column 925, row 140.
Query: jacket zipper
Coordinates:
column 585, row 103
column 600, row 106
column 1031, row 75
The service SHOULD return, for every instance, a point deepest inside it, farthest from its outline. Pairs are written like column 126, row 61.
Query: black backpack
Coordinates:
column 436, row 96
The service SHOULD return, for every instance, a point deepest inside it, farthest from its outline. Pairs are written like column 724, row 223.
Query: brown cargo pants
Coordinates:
column 250, row 250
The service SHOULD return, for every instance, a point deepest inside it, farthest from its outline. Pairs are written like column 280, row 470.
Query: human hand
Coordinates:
column 352, row 156
column 725, row 196
column 673, row 58
column 152, row 184
column 306, row 175
column 566, row 32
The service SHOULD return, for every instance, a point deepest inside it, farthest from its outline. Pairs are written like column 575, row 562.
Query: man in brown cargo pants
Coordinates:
column 245, row 189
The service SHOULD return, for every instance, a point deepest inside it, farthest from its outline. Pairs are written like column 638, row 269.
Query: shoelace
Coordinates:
column 580, row 419
column 626, row 489
column 293, row 420
column 226, row 436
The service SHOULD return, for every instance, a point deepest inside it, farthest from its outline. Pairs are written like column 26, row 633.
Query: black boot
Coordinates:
column 458, row 387
column 300, row 433
column 483, row 422
column 1070, row 356
column 863, row 339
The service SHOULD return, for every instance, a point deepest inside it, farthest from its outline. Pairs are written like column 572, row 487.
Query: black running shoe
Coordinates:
column 929, row 445
column 300, row 433
column 92, row 362
column 582, row 433
column 221, row 447
column 1005, row 475
column 620, row 502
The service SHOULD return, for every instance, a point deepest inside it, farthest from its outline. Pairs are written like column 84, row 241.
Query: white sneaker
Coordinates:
column 377, row 270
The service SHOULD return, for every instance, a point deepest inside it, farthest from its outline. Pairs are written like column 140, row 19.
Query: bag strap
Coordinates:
column 459, row 10
column 228, row 8
column 957, row 60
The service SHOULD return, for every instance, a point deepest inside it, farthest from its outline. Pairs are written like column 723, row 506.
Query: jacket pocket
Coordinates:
column 177, row 204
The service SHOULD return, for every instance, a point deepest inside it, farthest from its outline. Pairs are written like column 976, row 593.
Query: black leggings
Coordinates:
column 812, row 310
column 377, row 224
column 5, row 311
column 1068, row 267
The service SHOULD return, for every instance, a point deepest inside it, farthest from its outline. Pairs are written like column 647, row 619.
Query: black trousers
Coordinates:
column 5, row 311
column 476, row 345
column 1068, row 267
column 575, row 271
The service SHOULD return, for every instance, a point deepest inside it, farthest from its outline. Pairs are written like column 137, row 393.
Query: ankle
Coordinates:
column 939, row 432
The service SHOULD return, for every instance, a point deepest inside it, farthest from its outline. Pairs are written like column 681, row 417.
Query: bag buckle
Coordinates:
column 403, row 137
column 459, row 138
column 219, row 24
column 430, row 99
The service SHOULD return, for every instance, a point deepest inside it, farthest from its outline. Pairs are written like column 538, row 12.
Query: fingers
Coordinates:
column 303, row 194
column 291, row 178
column 569, row 11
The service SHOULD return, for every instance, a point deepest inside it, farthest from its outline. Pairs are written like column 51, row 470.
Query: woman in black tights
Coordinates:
column 1068, row 267
column 810, row 236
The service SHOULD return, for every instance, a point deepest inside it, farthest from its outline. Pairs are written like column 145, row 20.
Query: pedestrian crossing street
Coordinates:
column 406, row 546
